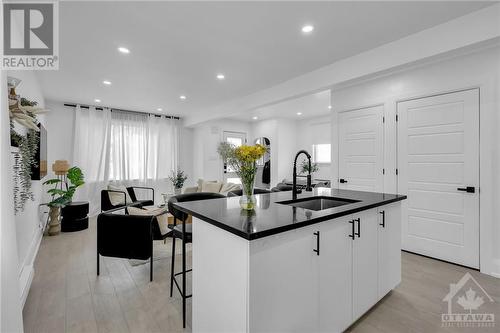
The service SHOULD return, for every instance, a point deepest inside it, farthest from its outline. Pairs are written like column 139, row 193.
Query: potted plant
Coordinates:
column 304, row 167
column 178, row 178
column 243, row 160
column 62, row 194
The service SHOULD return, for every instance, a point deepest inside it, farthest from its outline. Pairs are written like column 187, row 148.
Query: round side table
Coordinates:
column 74, row 216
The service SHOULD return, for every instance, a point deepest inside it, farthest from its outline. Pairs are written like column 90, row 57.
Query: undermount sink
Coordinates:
column 318, row 203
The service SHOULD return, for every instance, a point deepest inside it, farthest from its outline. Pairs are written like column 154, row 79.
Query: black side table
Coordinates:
column 74, row 216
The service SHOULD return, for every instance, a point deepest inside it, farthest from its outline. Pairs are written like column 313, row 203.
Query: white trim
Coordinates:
column 27, row 270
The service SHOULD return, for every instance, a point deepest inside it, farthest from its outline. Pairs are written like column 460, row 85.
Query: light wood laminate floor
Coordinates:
column 67, row 296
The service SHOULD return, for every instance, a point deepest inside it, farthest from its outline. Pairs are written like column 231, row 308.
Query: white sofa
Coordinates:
column 214, row 186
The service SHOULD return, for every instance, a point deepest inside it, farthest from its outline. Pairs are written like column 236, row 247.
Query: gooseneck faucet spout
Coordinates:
column 296, row 191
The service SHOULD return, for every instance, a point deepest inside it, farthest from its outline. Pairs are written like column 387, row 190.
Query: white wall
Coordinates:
column 29, row 223
column 206, row 137
column 462, row 71
column 316, row 131
column 10, row 302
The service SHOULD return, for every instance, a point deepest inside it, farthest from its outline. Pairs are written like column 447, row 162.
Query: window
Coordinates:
column 322, row 153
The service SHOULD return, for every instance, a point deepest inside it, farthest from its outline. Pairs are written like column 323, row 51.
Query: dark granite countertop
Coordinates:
column 270, row 217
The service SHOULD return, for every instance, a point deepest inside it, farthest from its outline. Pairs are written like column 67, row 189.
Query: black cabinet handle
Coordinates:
column 317, row 243
column 342, row 180
column 352, row 235
column 359, row 227
column 468, row 189
column 383, row 219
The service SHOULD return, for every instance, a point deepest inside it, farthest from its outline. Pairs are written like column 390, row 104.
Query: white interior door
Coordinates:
column 237, row 139
column 361, row 149
column 438, row 158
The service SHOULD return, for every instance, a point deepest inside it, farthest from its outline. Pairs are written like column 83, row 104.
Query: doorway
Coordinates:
column 438, row 168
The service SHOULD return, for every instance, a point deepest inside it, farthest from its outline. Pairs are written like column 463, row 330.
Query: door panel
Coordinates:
column 438, row 152
column 237, row 139
column 389, row 248
column 365, row 263
column 361, row 140
column 335, row 276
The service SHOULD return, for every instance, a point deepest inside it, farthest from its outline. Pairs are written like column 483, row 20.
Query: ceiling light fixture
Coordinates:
column 307, row 29
column 97, row 100
column 106, row 82
column 329, row 107
column 299, row 113
column 123, row 50
column 255, row 118
column 220, row 76
column 183, row 97
column 159, row 109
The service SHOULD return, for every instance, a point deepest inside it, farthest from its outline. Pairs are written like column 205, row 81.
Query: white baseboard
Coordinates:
column 28, row 271
column 496, row 268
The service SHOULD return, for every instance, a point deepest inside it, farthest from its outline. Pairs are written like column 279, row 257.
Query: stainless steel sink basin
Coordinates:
column 318, row 203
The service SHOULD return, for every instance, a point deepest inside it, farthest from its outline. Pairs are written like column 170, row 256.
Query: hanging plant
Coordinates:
column 24, row 159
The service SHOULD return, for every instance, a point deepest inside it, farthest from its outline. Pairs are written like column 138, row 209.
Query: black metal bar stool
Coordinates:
column 184, row 232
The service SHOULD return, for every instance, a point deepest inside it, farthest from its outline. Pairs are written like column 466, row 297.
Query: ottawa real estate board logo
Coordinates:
column 469, row 305
column 30, row 33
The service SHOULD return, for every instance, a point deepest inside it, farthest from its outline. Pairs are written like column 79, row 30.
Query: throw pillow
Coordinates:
column 213, row 186
column 229, row 187
column 117, row 198
column 160, row 213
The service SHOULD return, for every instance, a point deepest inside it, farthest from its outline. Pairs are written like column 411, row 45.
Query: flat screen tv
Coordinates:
column 40, row 170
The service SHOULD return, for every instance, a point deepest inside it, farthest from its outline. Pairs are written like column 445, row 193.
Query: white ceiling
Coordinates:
column 178, row 48
column 313, row 105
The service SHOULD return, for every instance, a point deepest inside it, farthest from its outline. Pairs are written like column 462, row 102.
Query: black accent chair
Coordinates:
column 239, row 193
column 184, row 232
column 107, row 205
column 127, row 236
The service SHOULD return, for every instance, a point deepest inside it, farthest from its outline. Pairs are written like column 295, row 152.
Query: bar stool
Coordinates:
column 184, row 232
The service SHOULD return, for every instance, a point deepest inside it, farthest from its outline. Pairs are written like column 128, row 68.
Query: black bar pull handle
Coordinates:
column 342, row 180
column 359, row 227
column 352, row 235
column 468, row 189
column 317, row 242
column 383, row 219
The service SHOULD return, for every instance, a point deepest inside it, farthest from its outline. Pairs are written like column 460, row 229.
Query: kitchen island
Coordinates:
column 315, row 264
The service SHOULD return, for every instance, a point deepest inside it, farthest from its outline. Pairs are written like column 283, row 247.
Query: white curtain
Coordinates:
column 124, row 148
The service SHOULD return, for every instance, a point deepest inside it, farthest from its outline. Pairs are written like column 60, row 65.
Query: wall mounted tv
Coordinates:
column 40, row 170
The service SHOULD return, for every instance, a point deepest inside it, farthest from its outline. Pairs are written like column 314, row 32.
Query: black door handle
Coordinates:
column 317, row 242
column 359, row 227
column 468, row 189
column 352, row 235
column 383, row 219
column 342, row 180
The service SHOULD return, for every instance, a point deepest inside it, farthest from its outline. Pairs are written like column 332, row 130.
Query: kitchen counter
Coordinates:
column 270, row 217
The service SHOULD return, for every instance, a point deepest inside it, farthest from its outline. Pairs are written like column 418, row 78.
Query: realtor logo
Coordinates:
column 30, row 35
column 467, row 302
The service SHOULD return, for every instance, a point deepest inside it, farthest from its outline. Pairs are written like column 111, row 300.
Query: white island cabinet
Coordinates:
column 280, row 283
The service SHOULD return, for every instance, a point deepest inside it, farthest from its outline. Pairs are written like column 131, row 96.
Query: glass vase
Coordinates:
column 247, row 199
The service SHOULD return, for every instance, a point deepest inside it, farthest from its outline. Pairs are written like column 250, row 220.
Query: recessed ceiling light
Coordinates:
column 106, row 82
column 159, row 109
column 307, row 28
column 124, row 50
column 220, row 76
column 182, row 97
column 329, row 107
column 299, row 113
column 255, row 118
column 97, row 100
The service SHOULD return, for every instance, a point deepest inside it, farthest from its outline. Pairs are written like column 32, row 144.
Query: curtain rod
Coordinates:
column 83, row 106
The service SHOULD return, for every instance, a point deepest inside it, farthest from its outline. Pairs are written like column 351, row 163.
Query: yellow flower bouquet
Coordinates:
column 243, row 160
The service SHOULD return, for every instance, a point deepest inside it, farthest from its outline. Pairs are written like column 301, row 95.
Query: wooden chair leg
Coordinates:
column 151, row 269
column 97, row 263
